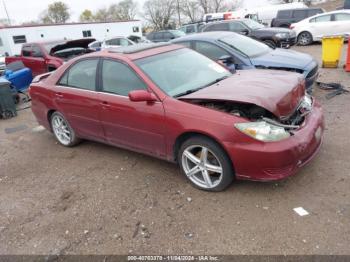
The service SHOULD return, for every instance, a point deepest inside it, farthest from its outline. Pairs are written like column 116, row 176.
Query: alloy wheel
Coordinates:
column 202, row 166
column 61, row 129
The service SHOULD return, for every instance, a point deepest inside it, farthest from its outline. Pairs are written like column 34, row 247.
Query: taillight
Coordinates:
column 291, row 27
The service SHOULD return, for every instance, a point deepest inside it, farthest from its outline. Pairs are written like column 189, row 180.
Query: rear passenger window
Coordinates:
column 342, row 17
column 322, row 18
column 299, row 14
column 118, row 78
column 313, row 12
column 284, row 14
column 81, row 75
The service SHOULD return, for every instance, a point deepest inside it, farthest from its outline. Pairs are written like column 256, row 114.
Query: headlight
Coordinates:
column 306, row 103
column 263, row 131
column 282, row 35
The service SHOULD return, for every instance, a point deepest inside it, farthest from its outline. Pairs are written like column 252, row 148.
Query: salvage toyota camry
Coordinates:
column 176, row 104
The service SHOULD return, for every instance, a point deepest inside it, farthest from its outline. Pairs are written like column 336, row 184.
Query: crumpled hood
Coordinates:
column 277, row 91
column 283, row 58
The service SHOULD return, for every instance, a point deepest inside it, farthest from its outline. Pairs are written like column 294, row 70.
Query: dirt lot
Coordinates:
column 97, row 199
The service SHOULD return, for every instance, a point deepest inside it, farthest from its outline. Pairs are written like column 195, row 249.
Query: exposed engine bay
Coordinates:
column 254, row 112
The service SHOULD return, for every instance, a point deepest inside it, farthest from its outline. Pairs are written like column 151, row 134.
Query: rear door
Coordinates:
column 136, row 125
column 76, row 98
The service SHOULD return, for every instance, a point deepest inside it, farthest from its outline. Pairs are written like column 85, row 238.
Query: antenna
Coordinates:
column 7, row 14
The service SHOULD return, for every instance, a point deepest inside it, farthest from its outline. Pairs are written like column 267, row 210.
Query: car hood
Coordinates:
column 82, row 43
column 274, row 30
column 277, row 91
column 283, row 58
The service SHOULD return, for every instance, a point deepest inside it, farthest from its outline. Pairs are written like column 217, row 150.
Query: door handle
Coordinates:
column 105, row 104
column 59, row 94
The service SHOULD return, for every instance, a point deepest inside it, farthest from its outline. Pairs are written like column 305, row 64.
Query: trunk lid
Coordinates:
column 277, row 91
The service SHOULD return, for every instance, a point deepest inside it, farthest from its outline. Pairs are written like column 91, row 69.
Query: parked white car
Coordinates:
column 116, row 42
column 315, row 27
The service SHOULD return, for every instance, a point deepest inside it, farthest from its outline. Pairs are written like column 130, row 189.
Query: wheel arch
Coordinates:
column 188, row 134
column 305, row 31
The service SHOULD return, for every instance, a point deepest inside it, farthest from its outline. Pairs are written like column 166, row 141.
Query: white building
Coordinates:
column 12, row 37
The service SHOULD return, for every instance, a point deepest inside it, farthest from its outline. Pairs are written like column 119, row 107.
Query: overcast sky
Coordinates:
column 28, row 10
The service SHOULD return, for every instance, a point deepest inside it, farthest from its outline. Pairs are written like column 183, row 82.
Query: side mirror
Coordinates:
column 228, row 62
column 226, row 59
column 244, row 32
column 142, row 96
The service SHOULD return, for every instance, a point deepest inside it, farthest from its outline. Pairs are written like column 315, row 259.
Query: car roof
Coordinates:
column 138, row 51
column 307, row 8
column 214, row 35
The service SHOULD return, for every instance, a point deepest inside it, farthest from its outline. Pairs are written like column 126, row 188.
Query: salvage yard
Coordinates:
column 97, row 199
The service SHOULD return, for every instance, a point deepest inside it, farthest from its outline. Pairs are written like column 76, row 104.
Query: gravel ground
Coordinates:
column 97, row 199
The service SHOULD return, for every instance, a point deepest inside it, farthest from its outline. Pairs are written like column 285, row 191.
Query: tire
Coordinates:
column 305, row 38
column 205, row 164
column 63, row 132
column 270, row 43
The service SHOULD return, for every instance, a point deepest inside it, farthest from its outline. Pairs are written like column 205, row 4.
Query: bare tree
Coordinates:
column 191, row 10
column 123, row 10
column 160, row 13
column 57, row 12
column 127, row 9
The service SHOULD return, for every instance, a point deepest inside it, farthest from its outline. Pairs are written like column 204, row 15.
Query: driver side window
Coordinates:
column 212, row 51
column 120, row 79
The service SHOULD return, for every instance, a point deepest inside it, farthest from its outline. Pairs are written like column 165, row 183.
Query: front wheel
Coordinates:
column 305, row 38
column 205, row 164
column 63, row 132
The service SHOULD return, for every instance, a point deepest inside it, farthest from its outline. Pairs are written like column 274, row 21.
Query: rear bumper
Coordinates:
column 277, row 160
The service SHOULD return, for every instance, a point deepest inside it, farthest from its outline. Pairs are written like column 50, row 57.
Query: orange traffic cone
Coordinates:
column 347, row 65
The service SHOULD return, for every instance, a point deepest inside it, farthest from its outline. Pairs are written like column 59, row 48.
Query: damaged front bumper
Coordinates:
column 276, row 160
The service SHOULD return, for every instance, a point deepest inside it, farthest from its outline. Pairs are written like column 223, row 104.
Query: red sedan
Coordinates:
column 174, row 103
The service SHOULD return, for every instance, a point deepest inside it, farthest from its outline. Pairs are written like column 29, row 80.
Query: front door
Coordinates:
column 136, row 125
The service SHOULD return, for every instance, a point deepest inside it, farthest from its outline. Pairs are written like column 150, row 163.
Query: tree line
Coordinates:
column 158, row 14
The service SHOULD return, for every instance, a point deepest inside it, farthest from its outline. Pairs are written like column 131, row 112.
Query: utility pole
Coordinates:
column 7, row 14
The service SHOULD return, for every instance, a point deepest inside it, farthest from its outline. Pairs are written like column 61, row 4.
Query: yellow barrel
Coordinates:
column 331, row 50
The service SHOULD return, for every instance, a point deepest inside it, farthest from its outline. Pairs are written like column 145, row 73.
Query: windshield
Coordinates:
column 245, row 45
column 181, row 71
column 252, row 24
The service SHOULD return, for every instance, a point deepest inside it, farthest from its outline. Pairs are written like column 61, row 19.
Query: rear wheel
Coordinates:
column 63, row 132
column 305, row 38
column 205, row 164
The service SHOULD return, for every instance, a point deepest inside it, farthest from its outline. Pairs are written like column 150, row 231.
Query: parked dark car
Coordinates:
column 176, row 104
column 274, row 37
column 241, row 52
column 164, row 36
column 287, row 17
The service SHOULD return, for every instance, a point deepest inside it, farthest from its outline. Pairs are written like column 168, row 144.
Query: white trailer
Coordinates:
column 12, row 37
column 263, row 14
